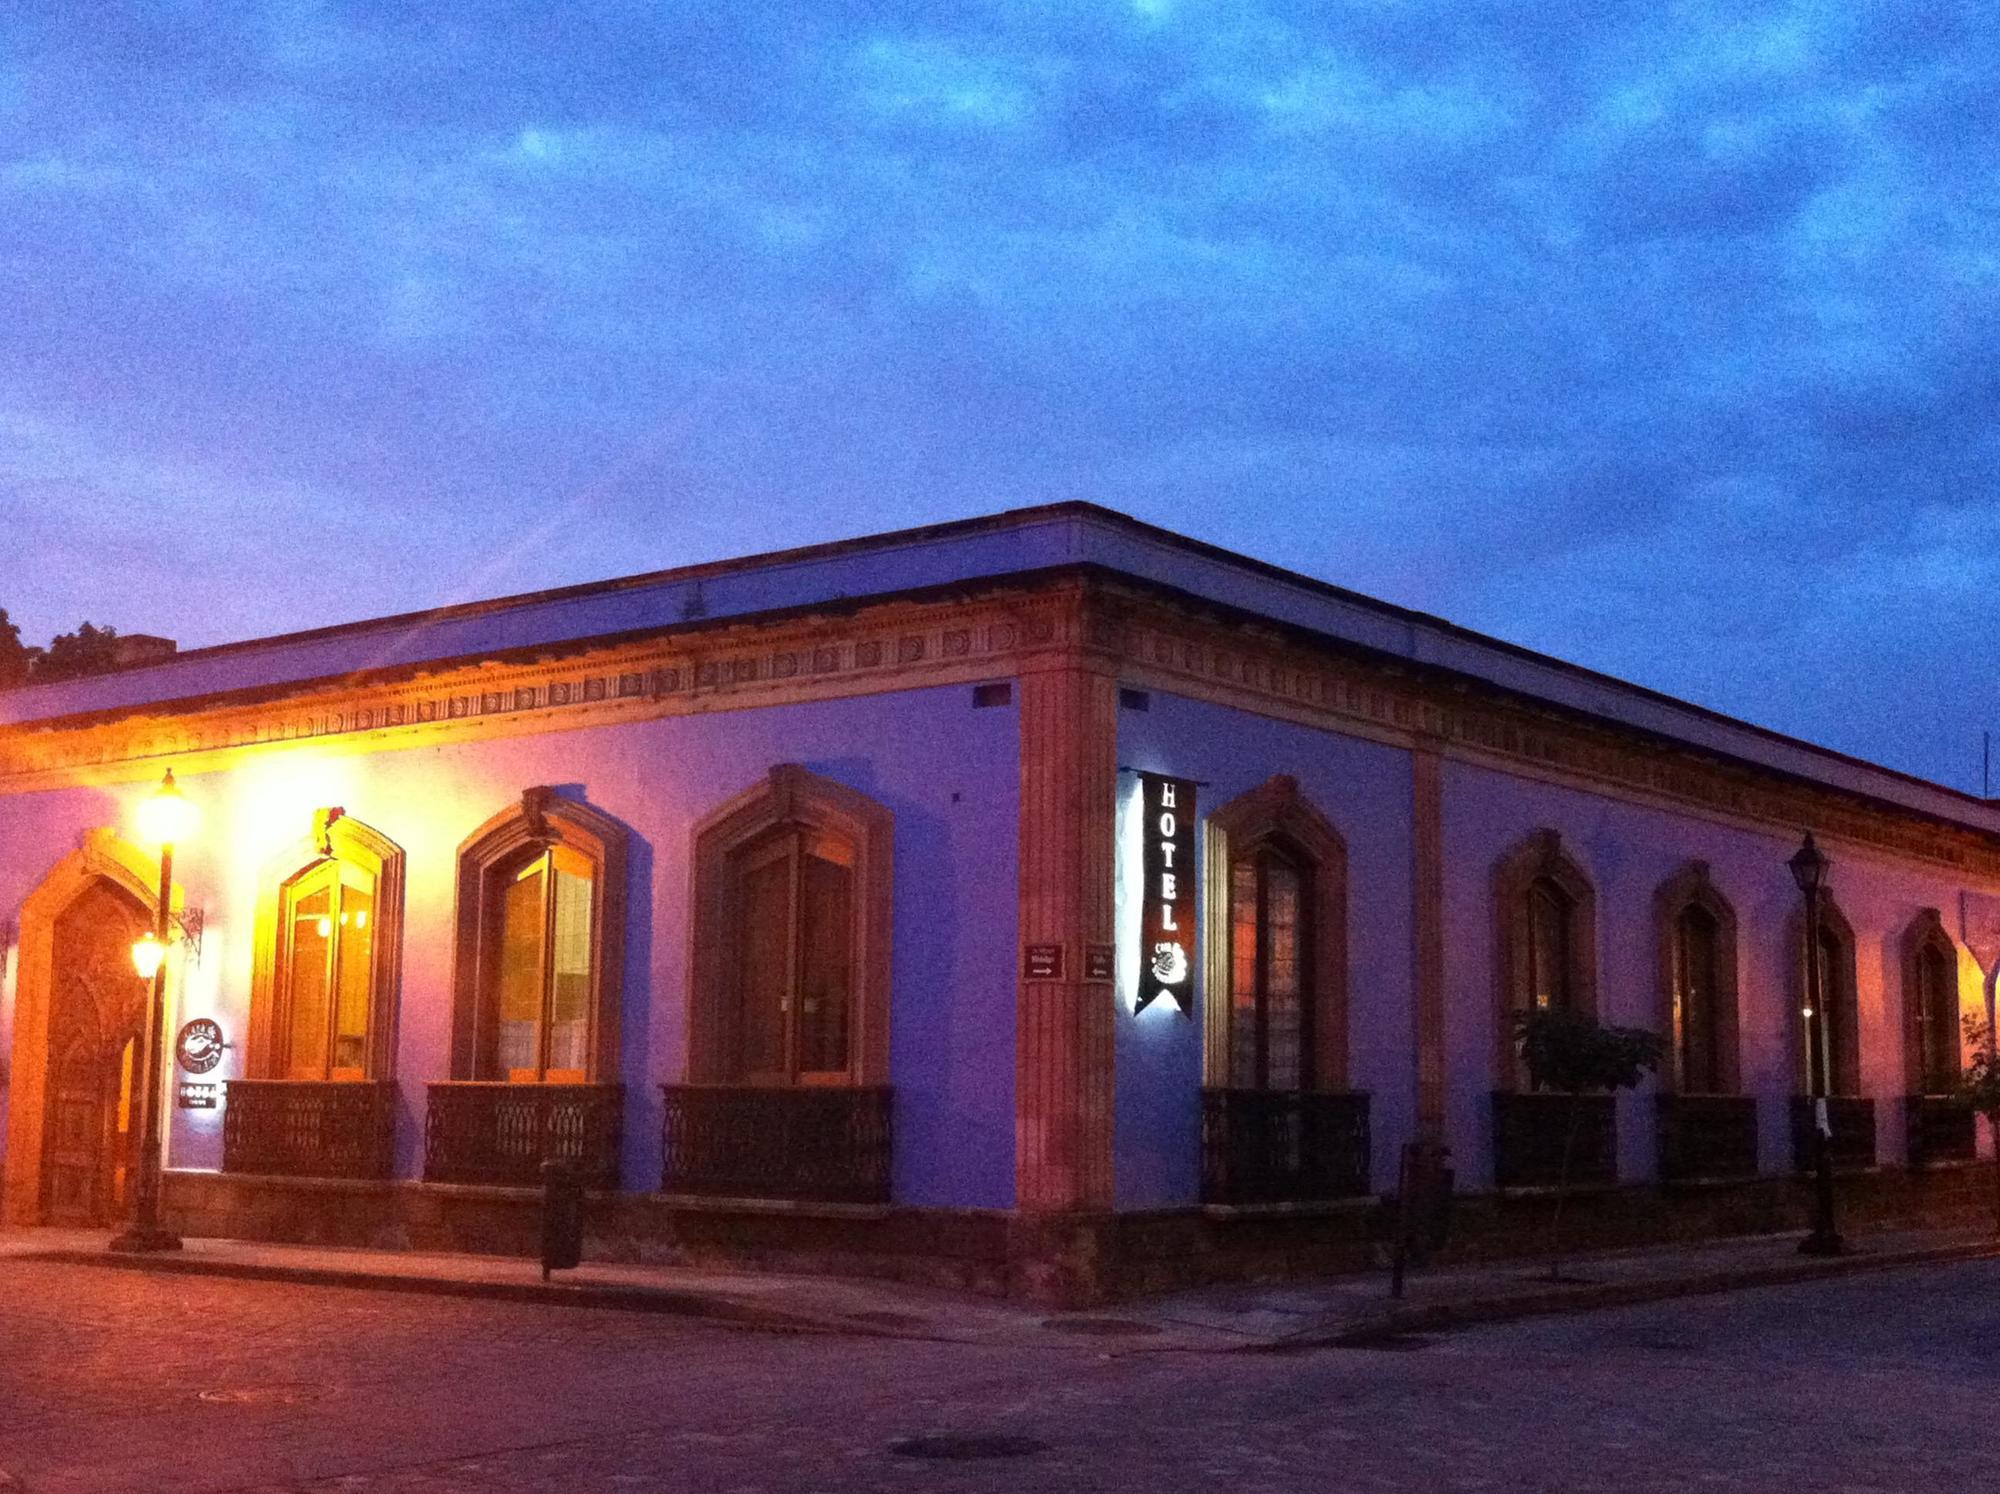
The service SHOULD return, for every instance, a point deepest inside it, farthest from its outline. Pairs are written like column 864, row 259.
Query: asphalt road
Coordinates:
column 112, row 1380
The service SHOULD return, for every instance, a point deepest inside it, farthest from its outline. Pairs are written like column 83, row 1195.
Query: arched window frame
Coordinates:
column 335, row 836
column 1926, row 935
column 1539, row 858
column 791, row 796
column 1692, row 888
column 541, row 820
column 1276, row 811
column 1843, row 998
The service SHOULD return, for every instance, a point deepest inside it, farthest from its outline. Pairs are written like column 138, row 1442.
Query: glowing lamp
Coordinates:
column 147, row 953
column 168, row 817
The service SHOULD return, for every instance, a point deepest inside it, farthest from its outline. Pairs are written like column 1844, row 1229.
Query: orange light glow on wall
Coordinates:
column 167, row 817
column 147, row 953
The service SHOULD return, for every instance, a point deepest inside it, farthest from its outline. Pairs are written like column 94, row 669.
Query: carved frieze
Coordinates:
column 888, row 647
column 899, row 645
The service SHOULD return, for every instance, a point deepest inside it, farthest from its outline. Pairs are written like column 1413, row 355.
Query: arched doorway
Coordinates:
column 97, row 1014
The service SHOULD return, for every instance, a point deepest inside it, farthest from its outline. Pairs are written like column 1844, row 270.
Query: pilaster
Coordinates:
column 1069, row 776
column 1427, row 926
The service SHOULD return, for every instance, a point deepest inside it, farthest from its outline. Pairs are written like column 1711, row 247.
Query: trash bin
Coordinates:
column 562, row 1216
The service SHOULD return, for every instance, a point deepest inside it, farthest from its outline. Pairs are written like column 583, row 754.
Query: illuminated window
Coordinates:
column 1275, row 906
column 543, row 970
column 324, row 982
column 1270, row 963
column 541, row 945
column 327, row 972
column 791, row 936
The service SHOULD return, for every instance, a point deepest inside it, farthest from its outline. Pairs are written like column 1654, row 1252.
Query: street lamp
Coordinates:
column 167, row 818
column 1809, row 867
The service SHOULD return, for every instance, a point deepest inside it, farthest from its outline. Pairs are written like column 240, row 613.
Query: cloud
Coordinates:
column 1656, row 337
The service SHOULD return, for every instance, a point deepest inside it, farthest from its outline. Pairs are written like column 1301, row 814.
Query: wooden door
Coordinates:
column 93, row 1143
column 96, row 1018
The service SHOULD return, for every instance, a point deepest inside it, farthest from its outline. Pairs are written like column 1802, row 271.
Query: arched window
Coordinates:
column 1276, row 1007
column 325, row 972
column 1697, row 933
column 329, row 923
column 1545, row 940
column 1931, row 1009
column 1270, row 965
column 1837, row 1014
column 792, row 973
column 542, row 969
column 793, row 884
column 1551, row 917
column 1697, row 1046
column 541, row 945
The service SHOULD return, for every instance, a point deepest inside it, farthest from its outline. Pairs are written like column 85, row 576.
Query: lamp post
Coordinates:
column 165, row 819
column 1809, row 867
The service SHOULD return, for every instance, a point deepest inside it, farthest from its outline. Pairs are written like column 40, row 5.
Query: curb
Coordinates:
column 1437, row 1317
column 665, row 1301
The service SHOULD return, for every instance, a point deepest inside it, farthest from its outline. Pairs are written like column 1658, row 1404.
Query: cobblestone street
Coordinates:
column 117, row 1380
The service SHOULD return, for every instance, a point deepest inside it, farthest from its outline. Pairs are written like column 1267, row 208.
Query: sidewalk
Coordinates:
column 1345, row 1311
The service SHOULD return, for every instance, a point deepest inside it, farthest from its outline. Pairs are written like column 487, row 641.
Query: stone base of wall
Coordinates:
column 1074, row 1260
column 961, row 1248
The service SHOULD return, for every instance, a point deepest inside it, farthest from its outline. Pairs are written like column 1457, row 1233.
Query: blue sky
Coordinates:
column 1662, row 337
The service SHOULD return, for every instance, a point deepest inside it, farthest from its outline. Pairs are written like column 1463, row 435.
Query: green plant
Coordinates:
column 1574, row 1054
column 1979, row 1089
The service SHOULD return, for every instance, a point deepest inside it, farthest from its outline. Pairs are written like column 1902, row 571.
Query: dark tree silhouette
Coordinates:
column 16, row 658
column 1571, row 1054
column 89, row 650
column 1979, row 1086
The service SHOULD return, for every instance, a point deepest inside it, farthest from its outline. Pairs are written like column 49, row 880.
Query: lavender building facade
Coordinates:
column 802, row 902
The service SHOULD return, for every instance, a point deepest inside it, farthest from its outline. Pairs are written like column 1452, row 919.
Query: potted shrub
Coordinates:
column 1572, row 1054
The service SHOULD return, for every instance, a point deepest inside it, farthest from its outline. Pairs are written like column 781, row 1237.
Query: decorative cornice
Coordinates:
column 890, row 647
column 1258, row 668
column 1009, row 629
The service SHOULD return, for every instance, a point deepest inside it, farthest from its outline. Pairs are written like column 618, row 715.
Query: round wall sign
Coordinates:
column 199, row 1047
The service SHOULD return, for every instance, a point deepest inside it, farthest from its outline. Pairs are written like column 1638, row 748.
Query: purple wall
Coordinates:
column 1628, row 850
column 1364, row 790
column 949, row 774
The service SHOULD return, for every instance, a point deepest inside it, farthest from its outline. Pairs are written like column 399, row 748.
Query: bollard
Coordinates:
column 1423, row 1208
column 562, row 1216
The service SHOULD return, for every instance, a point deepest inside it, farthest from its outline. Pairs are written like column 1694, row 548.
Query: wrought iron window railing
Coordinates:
column 310, row 1128
column 1707, row 1136
column 1939, row 1128
column 1852, row 1121
column 1532, row 1130
column 812, row 1144
column 1283, row 1146
column 491, row 1132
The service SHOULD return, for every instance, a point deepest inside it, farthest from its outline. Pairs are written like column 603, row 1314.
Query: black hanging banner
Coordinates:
column 1166, row 925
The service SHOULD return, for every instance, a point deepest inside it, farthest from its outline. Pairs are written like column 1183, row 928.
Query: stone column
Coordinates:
column 1069, row 780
